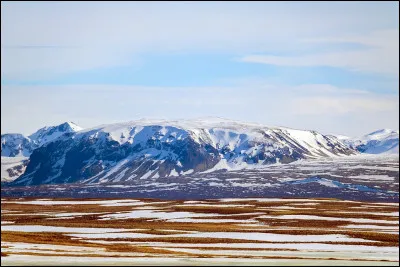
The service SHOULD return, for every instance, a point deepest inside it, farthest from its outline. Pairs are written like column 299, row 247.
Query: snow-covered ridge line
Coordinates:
column 198, row 123
column 145, row 149
column 18, row 145
column 383, row 141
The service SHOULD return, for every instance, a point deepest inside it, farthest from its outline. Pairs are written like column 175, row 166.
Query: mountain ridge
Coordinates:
column 377, row 142
column 16, row 144
column 146, row 148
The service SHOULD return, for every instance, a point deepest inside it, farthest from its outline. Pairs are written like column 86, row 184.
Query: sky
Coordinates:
column 332, row 67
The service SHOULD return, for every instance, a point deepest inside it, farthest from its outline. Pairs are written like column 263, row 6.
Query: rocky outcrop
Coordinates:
column 145, row 149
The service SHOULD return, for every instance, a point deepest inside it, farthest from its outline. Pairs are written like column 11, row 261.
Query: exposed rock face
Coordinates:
column 144, row 149
column 14, row 145
column 12, row 167
column 384, row 141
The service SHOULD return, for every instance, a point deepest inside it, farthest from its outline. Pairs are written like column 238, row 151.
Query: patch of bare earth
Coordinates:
column 337, row 213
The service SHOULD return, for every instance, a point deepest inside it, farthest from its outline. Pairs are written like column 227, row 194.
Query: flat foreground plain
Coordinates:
column 239, row 231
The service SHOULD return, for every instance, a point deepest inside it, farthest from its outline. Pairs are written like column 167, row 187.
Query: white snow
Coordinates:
column 7, row 222
column 195, row 203
column 73, row 214
column 233, row 235
column 274, row 237
column 373, row 177
column 190, row 220
column 173, row 173
column 112, row 235
column 56, row 229
column 156, row 214
column 8, row 163
column 71, row 202
column 48, row 134
column 370, row 226
column 312, row 217
column 274, row 200
column 301, row 246
column 317, row 255
column 178, row 261
column 251, row 184
column 384, row 141
column 396, row 213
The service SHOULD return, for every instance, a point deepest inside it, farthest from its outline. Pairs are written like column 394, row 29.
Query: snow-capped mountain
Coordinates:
column 16, row 148
column 48, row 134
column 155, row 148
column 12, row 167
column 378, row 142
column 17, row 145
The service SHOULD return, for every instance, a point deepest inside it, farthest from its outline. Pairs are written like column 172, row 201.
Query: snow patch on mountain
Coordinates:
column 17, row 145
column 383, row 141
column 12, row 168
column 144, row 149
column 49, row 134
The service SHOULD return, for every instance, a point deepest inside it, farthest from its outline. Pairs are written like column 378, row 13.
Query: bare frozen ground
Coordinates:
column 236, row 231
column 361, row 177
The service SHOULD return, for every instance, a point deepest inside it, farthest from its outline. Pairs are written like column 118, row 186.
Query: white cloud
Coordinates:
column 41, row 64
column 343, row 105
column 330, row 109
column 96, row 35
column 41, row 41
column 381, row 57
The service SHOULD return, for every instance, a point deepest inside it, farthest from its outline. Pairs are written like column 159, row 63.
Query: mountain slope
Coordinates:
column 381, row 141
column 16, row 148
column 48, row 134
column 12, row 167
column 147, row 148
column 17, row 145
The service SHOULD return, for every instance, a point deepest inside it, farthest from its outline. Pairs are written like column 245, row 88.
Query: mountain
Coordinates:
column 17, row 145
column 381, row 141
column 48, row 134
column 12, row 167
column 16, row 148
column 144, row 149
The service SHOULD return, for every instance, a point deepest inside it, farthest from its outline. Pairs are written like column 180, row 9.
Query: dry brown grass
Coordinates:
column 241, row 249
column 141, row 223
column 43, row 238
column 303, row 223
column 204, row 240
column 159, row 227
column 66, row 254
column 183, row 240
column 229, row 217
column 218, row 210
column 303, row 258
column 159, row 232
column 383, row 237
column 60, row 239
column 141, row 249
column 329, row 214
column 84, row 208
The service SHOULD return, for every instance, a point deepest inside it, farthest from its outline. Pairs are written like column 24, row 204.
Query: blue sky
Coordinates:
column 327, row 66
